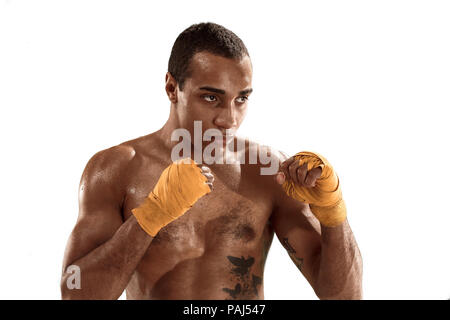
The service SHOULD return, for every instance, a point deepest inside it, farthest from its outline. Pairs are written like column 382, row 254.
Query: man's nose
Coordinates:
column 227, row 118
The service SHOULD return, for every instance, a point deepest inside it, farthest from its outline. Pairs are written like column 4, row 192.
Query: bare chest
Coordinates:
column 235, row 213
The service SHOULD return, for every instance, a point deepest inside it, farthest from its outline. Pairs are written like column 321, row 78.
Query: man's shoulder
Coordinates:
column 108, row 163
column 126, row 151
column 115, row 155
column 122, row 157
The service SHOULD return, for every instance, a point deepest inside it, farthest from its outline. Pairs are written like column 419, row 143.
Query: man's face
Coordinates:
column 216, row 93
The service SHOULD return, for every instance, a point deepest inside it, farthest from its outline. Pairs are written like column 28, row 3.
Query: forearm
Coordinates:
column 106, row 270
column 339, row 274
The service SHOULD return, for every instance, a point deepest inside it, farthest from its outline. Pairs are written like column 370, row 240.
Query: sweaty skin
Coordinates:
column 217, row 249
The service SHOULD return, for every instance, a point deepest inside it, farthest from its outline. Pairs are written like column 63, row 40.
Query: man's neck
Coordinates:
column 165, row 133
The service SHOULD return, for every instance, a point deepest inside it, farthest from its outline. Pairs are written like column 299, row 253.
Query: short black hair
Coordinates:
column 209, row 37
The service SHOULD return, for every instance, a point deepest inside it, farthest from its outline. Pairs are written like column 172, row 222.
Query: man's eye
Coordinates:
column 242, row 99
column 210, row 98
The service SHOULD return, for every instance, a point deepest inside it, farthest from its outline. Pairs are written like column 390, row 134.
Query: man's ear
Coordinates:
column 171, row 88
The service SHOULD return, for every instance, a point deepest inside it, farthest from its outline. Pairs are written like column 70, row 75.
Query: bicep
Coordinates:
column 91, row 230
column 99, row 210
column 299, row 233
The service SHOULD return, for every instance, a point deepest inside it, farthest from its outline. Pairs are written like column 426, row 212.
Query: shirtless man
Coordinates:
column 217, row 249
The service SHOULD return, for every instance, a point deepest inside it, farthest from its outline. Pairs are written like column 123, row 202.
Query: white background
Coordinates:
column 366, row 83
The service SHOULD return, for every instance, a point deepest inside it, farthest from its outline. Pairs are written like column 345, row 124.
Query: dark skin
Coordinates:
column 335, row 271
column 217, row 249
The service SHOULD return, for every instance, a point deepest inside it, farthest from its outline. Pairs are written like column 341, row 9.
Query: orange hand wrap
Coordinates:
column 181, row 184
column 325, row 198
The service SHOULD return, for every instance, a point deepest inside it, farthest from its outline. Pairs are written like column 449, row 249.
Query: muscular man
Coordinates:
column 149, row 226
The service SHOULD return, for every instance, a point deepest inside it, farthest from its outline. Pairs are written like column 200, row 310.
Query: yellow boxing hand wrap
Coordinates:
column 325, row 198
column 181, row 184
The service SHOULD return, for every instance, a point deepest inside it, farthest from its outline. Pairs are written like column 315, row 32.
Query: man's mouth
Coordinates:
column 229, row 134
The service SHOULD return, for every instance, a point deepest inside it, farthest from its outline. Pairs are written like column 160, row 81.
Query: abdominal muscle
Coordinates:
column 181, row 263
column 206, row 277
